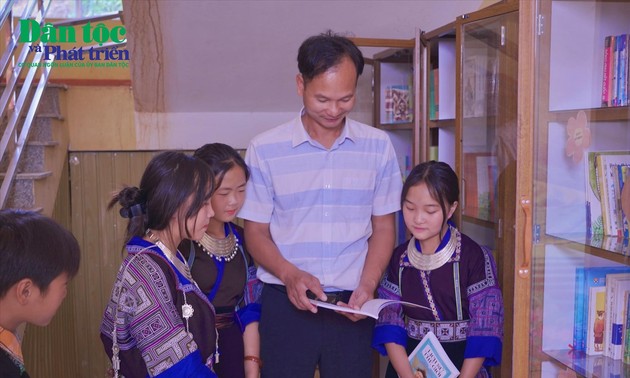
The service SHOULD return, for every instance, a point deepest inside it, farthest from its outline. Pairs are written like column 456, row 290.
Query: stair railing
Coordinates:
column 12, row 133
column 15, row 107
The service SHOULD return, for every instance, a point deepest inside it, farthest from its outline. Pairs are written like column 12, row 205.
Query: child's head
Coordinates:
column 230, row 175
column 439, row 182
column 173, row 186
column 37, row 258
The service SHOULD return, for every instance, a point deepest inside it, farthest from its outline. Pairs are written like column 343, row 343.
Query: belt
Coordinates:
column 444, row 331
column 225, row 320
column 332, row 296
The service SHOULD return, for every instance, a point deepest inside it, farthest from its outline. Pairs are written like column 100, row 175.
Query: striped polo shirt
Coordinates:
column 319, row 202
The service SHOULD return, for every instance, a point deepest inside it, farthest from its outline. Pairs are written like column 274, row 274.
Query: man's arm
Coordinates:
column 262, row 248
column 380, row 249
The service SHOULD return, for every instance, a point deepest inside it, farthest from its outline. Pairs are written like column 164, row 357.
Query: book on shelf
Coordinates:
column 626, row 332
column 433, row 94
column 475, row 85
column 596, row 328
column 615, row 71
column 370, row 308
column 585, row 279
column 479, row 184
column 622, row 75
column 623, row 173
column 616, row 287
column 606, row 71
column 606, row 172
column 612, row 215
column 398, row 107
column 486, row 181
column 429, row 359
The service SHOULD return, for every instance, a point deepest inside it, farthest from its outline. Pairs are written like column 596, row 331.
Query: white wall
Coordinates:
column 230, row 66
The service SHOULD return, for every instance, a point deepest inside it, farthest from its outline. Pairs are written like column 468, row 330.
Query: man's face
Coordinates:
column 329, row 96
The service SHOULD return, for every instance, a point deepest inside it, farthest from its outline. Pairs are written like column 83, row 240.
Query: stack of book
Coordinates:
column 615, row 78
column 479, row 185
column 602, row 312
column 606, row 173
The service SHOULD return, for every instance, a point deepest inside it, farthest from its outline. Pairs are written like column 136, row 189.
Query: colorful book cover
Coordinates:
column 611, row 69
column 429, row 360
column 470, row 193
column 615, row 71
column 606, row 71
column 626, row 337
column 432, row 110
column 594, row 222
column 436, row 93
column 596, row 329
column 597, row 198
column 623, row 172
column 616, row 287
column 585, row 279
column 611, row 204
column 623, row 70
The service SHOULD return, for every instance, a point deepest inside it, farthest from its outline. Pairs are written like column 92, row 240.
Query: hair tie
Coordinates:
column 133, row 211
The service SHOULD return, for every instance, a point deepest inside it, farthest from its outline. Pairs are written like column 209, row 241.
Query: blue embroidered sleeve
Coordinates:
column 485, row 333
column 484, row 346
column 384, row 334
column 248, row 314
column 190, row 366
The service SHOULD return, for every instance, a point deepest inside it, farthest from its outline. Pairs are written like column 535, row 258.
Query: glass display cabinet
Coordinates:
column 579, row 277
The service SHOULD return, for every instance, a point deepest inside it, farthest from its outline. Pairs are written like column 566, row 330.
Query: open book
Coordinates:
column 370, row 308
column 429, row 360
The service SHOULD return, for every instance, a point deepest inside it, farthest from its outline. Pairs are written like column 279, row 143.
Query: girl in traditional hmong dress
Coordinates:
column 158, row 323
column 445, row 271
column 224, row 270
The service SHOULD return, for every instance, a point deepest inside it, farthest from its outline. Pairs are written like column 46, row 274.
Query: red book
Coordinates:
column 606, row 77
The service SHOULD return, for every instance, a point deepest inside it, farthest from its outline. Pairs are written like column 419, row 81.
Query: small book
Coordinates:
column 596, row 328
column 370, row 308
column 429, row 360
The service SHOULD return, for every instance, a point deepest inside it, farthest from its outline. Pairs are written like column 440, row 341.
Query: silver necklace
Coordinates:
column 221, row 249
column 182, row 267
column 439, row 258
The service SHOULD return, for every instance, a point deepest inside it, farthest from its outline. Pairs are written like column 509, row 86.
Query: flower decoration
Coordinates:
column 579, row 137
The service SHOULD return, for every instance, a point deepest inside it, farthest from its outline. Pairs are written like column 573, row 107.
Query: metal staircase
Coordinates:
column 25, row 133
column 33, row 139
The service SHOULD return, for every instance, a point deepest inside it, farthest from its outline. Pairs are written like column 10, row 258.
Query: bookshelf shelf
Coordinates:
column 619, row 113
column 435, row 124
column 478, row 221
column 395, row 126
column 586, row 365
column 609, row 247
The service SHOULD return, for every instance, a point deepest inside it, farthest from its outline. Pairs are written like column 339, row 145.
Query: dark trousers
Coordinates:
column 294, row 342
column 231, row 352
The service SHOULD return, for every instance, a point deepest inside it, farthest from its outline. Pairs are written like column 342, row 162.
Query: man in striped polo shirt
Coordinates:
column 319, row 217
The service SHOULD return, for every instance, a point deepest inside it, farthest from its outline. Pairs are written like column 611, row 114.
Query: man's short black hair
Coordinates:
column 319, row 53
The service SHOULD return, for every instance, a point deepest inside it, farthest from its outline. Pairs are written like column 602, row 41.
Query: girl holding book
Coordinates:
column 158, row 322
column 224, row 270
column 447, row 272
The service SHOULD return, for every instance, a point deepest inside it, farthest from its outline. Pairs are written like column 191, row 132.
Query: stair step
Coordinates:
column 29, row 176
column 49, row 143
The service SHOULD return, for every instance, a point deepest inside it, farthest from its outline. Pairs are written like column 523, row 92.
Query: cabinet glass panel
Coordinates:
column 488, row 113
column 580, row 270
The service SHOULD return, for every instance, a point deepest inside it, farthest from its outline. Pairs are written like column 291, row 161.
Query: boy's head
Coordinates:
column 36, row 254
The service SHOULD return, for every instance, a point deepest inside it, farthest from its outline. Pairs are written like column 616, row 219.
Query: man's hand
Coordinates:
column 359, row 296
column 297, row 282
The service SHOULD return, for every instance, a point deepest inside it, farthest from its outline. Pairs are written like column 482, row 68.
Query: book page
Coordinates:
column 370, row 308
